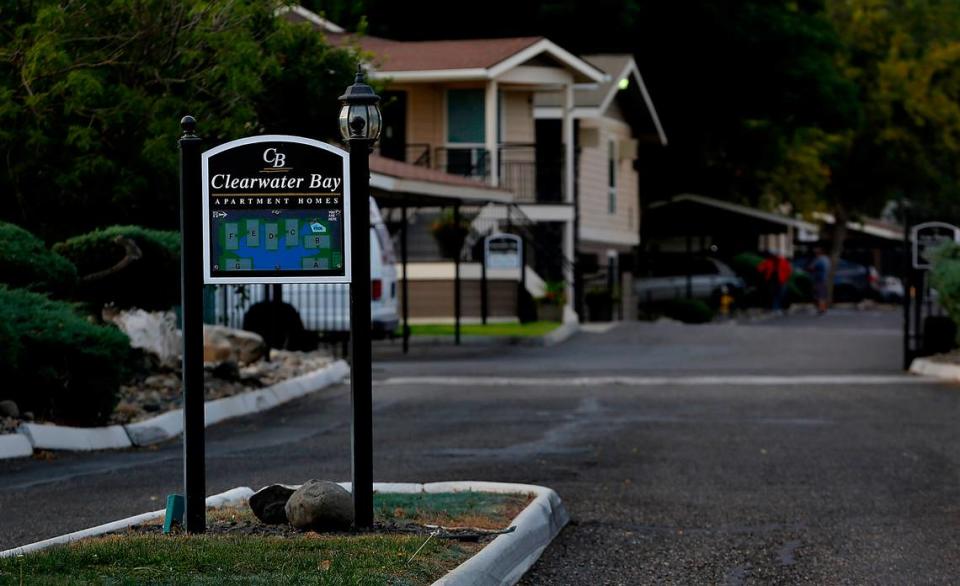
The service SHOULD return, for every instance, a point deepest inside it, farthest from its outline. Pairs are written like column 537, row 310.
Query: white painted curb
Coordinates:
column 560, row 334
column 941, row 370
column 14, row 445
column 268, row 398
column 170, row 424
column 503, row 561
column 508, row 557
column 61, row 437
column 233, row 496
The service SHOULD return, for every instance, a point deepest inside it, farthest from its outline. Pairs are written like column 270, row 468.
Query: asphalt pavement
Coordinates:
column 787, row 450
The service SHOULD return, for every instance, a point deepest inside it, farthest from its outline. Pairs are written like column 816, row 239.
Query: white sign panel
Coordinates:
column 503, row 251
column 929, row 236
column 276, row 209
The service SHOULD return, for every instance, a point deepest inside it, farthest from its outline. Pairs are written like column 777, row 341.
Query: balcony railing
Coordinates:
column 534, row 175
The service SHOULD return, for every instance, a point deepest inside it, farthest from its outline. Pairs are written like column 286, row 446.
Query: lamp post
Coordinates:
column 360, row 122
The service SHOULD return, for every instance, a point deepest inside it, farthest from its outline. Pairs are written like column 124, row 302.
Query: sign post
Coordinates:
column 360, row 124
column 191, row 303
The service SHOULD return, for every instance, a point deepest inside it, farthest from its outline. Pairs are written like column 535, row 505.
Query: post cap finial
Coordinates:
column 360, row 78
column 188, row 124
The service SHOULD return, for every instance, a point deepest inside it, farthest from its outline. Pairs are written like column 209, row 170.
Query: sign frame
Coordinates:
column 240, row 279
column 916, row 261
column 508, row 236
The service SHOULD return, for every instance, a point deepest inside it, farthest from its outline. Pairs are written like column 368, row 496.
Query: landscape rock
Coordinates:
column 269, row 504
column 221, row 343
column 9, row 409
column 320, row 505
column 152, row 331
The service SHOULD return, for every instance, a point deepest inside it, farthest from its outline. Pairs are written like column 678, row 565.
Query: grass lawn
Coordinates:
column 234, row 552
column 537, row 328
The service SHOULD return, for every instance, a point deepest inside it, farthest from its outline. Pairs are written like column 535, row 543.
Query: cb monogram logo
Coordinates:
column 274, row 157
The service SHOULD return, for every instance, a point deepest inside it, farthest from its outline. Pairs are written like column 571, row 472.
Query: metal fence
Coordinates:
column 322, row 308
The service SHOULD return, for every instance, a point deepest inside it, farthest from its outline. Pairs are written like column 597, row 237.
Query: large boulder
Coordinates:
column 269, row 503
column 223, row 343
column 320, row 505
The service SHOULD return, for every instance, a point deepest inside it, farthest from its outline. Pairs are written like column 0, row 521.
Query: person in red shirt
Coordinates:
column 775, row 271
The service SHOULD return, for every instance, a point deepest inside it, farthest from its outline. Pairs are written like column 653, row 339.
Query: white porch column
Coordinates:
column 490, row 109
column 569, row 315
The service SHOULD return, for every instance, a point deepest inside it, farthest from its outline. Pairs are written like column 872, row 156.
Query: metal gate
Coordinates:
column 927, row 329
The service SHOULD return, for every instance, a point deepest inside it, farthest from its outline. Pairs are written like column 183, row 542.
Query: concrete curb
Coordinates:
column 233, row 496
column 61, row 437
column 941, row 370
column 14, row 445
column 503, row 561
column 508, row 557
column 170, row 424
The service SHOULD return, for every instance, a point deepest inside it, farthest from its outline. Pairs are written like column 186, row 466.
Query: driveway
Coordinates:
column 791, row 450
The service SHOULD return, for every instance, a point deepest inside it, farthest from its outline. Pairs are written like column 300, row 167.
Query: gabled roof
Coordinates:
column 454, row 59
column 593, row 100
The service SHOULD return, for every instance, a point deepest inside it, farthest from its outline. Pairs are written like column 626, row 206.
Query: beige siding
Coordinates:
column 594, row 216
column 435, row 299
column 517, row 116
column 424, row 113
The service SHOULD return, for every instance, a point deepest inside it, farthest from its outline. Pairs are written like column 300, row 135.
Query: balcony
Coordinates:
column 534, row 174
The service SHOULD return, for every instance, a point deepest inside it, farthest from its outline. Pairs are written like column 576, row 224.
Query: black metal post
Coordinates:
column 456, row 281
column 361, row 383
column 483, row 285
column 404, row 290
column 191, row 302
column 907, row 266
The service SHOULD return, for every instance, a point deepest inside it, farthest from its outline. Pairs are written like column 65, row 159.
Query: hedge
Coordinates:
column 945, row 278
column 26, row 263
column 151, row 282
column 58, row 364
column 689, row 311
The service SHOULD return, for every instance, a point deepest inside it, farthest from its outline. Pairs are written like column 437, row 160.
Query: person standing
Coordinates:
column 775, row 270
column 819, row 270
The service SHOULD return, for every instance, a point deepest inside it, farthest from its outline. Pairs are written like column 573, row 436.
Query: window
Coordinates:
column 466, row 131
column 465, row 116
column 611, row 177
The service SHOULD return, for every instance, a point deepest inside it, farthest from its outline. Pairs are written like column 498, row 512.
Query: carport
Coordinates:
column 399, row 185
column 697, row 225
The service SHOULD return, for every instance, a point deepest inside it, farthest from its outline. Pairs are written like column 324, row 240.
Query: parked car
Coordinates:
column 852, row 281
column 890, row 289
column 665, row 278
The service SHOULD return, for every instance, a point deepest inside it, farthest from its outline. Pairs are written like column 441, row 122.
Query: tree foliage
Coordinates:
column 91, row 94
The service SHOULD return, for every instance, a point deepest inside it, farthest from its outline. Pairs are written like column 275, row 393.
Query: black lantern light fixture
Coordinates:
column 360, row 117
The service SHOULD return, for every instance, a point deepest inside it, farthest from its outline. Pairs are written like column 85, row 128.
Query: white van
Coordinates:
column 326, row 308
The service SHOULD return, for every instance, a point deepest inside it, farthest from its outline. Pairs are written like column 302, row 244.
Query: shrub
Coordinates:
column 64, row 367
column 26, row 263
column 945, row 278
column 689, row 311
column 149, row 282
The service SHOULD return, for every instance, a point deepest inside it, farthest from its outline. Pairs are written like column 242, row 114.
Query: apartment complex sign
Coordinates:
column 276, row 209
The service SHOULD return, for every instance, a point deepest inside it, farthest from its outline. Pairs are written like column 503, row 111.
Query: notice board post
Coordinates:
column 191, row 300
